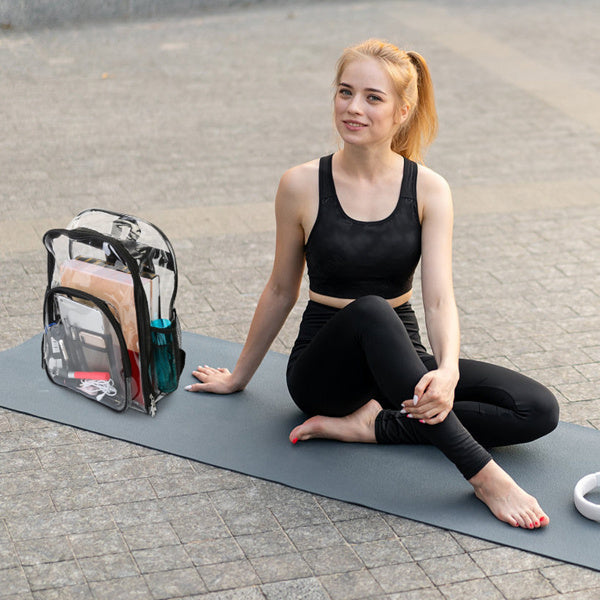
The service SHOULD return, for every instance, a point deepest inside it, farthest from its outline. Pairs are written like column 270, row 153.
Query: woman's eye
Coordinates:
column 345, row 92
column 373, row 98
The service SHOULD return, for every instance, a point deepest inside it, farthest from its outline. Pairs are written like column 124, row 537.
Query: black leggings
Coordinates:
column 343, row 358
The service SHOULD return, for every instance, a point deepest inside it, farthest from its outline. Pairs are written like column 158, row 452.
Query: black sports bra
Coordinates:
column 347, row 258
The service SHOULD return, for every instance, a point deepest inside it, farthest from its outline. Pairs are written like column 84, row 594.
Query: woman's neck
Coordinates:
column 367, row 163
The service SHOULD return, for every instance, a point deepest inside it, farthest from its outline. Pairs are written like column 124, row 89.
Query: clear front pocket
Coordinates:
column 84, row 349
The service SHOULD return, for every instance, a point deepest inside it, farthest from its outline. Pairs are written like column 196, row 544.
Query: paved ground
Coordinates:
column 190, row 122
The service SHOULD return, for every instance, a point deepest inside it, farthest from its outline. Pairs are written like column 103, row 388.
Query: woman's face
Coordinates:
column 366, row 107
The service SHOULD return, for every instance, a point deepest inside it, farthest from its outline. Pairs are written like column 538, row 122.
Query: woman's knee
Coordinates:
column 370, row 306
column 545, row 409
column 370, row 315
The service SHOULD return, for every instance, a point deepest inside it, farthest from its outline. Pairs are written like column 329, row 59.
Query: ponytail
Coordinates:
column 412, row 82
column 420, row 129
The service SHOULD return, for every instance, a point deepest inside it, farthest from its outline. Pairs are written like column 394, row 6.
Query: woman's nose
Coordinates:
column 355, row 105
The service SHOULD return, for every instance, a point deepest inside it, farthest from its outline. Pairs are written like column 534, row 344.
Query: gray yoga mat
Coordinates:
column 248, row 432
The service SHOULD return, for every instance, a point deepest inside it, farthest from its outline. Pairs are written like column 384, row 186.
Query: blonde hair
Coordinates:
column 411, row 79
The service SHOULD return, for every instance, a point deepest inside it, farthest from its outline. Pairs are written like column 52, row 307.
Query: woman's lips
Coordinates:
column 354, row 125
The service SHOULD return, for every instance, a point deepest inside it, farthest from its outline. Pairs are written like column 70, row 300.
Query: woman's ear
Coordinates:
column 402, row 113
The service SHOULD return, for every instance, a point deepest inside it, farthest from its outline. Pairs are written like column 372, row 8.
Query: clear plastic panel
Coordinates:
column 82, row 351
column 148, row 246
column 100, row 272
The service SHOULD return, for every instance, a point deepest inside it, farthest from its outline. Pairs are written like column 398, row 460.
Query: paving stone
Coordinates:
column 351, row 585
column 165, row 558
column 26, row 504
column 298, row 512
column 242, row 522
column 210, row 552
column 521, row 586
column 45, row 550
column 228, row 575
column 103, row 494
column 297, row 589
column 382, row 552
column 174, row 583
column 14, row 582
column 134, row 588
column 372, row 528
column 97, row 543
column 149, row 535
column 246, row 593
column 326, row 561
column 54, row 575
column 205, row 525
column 88, row 451
column 428, row 545
column 569, row 578
column 265, row 544
column 451, row 569
column 471, row 544
column 72, row 592
column 131, row 514
column 314, row 536
column 482, row 589
column 508, row 560
column 422, row 594
column 401, row 578
column 108, row 566
column 49, row 525
column 191, row 483
column 131, row 468
column 281, row 567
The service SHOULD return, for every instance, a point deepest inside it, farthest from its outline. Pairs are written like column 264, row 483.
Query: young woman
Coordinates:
column 362, row 219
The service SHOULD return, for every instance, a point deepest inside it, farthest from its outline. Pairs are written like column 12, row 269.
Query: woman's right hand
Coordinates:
column 215, row 381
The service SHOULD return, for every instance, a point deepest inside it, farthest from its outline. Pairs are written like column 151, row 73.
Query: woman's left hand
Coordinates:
column 435, row 397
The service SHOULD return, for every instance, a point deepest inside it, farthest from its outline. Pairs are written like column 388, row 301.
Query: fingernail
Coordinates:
column 188, row 387
column 421, row 421
column 415, row 399
column 294, row 440
column 403, row 411
column 409, row 416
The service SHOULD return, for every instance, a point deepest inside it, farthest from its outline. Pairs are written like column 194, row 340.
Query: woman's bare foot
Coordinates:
column 507, row 501
column 356, row 427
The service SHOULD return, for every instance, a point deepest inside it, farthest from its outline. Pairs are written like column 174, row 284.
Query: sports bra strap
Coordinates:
column 408, row 189
column 326, row 189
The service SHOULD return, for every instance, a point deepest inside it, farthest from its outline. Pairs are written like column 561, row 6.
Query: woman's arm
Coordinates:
column 280, row 293
column 435, row 391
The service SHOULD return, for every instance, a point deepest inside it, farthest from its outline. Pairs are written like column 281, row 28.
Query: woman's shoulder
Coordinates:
column 301, row 175
column 300, row 182
column 433, row 191
column 431, row 181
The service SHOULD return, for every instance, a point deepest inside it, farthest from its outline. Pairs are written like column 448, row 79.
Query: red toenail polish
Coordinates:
column 294, row 440
column 536, row 524
column 530, row 526
column 542, row 519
